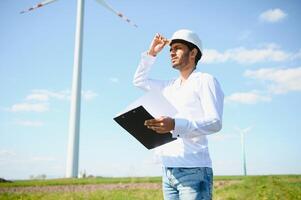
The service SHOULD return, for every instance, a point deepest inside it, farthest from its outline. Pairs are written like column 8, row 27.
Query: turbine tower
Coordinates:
column 243, row 149
column 74, row 121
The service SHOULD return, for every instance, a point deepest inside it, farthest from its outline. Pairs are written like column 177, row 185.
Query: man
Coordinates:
column 198, row 98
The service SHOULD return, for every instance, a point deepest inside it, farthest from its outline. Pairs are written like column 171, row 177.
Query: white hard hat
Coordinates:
column 189, row 36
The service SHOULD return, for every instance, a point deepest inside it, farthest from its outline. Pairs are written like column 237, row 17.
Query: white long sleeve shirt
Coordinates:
column 199, row 102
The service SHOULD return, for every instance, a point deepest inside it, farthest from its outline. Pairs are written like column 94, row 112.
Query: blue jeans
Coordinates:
column 187, row 183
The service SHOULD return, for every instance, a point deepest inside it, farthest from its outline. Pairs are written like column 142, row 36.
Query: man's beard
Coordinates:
column 182, row 62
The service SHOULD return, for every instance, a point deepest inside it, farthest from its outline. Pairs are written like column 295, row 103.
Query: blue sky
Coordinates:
column 252, row 47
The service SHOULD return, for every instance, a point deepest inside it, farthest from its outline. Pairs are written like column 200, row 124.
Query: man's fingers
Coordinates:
column 155, row 124
column 160, row 38
column 166, row 41
column 158, row 125
column 149, row 122
column 158, row 129
column 153, row 121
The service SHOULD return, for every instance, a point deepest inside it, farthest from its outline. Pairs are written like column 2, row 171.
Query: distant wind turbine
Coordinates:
column 74, row 121
column 243, row 149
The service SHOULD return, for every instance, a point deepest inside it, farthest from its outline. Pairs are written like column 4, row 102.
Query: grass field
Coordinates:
column 225, row 187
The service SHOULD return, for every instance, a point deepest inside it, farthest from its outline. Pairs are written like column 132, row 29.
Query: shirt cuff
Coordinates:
column 145, row 55
column 180, row 127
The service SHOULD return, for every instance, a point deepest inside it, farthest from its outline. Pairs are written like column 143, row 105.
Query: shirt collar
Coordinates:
column 190, row 77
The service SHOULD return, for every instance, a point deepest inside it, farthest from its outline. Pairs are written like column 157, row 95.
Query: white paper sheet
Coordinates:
column 155, row 103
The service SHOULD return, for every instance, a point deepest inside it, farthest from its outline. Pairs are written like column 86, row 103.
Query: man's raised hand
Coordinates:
column 157, row 44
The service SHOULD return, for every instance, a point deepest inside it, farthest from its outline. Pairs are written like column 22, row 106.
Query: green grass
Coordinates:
column 84, row 181
column 286, row 187
column 262, row 188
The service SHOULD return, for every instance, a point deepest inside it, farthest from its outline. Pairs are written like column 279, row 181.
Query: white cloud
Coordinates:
column 272, row 15
column 42, row 159
column 280, row 80
column 45, row 95
column 6, row 153
column 114, row 80
column 213, row 56
column 37, row 97
column 242, row 55
column 29, row 107
column 252, row 97
column 30, row 123
column 89, row 95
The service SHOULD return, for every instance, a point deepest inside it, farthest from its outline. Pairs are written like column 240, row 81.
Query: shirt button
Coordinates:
column 178, row 136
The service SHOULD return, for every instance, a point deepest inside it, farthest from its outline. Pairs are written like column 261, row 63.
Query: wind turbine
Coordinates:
column 243, row 149
column 74, row 120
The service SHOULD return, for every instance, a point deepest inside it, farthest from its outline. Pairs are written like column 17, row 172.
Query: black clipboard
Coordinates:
column 133, row 122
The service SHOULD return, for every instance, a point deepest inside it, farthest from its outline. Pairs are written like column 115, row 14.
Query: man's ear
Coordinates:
column 194, row 52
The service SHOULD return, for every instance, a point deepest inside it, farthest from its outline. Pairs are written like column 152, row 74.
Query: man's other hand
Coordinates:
column 161, row 125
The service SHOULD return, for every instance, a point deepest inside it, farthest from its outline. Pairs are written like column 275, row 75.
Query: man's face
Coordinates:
column 179, row 54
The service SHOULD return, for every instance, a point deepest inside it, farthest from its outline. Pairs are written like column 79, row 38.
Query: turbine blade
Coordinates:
column 119, row 14
column 38, row 5
column 243, row 130
column 248, row 129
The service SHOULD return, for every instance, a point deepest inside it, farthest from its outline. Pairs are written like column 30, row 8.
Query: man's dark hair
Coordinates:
column 190, row 47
